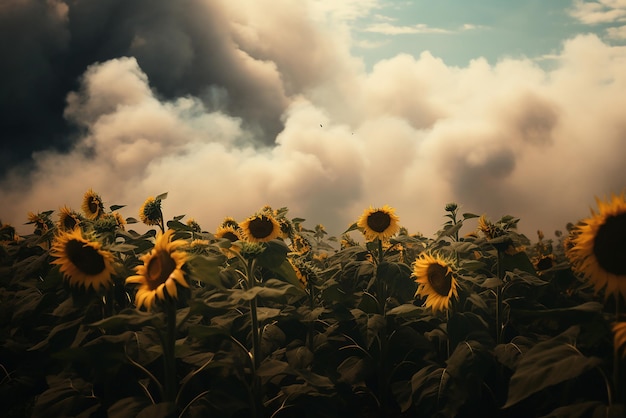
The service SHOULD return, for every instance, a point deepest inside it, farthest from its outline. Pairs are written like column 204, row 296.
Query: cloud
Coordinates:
column 412, row 132
column 386, row 28
column 595, row 12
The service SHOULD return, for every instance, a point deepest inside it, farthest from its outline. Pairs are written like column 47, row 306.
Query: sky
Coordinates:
column 324, row 107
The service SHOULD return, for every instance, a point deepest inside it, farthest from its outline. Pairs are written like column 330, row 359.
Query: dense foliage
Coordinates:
column 303, row 324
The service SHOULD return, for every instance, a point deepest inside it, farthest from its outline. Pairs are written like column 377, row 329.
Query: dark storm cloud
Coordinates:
column 184, row 47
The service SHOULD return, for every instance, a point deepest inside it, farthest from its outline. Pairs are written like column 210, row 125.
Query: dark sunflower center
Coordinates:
column 440, row 279
column 609, row 245
column 261, row 227
column 379, row 221
column 86, row 258
column 160, row 266
column 231, row 236
column 69, row 222
column 93, row 205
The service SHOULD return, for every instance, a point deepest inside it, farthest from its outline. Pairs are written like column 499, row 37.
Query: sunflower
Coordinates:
column 436, row 281
column 229, row 232
column 150, row 212
column 83, row 262
column 598, row 246
column 230, row 221
column 119, row 219
column 195, row 226
column 42, row 222
column 302, row 278
column 379, row 223
column 261, row 227
column 619, row 338
column 160, row 272
column 92, row 205
column 68, row 219
column 300, row 244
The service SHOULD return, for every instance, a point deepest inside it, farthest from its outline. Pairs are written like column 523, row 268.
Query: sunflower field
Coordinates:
column 271, row 317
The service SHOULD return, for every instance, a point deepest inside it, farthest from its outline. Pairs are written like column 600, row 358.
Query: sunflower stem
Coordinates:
column 169, row 356
column 499, row 299
column 616, row 359
column 256, row 344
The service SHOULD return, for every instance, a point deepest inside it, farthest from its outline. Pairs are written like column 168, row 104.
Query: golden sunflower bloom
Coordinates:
column 301, row 277
column 619, row 338
column 598, row 248
column 229, row 232
column 160, row 272
column 150, row 212
column 229, row 221
column 436, row 281
column 379, row 224
column 92, row 206
column 83, row 262
column 41, row 220
column 300, row 244
column 119, row 219
column 195, row 226
column 68, row 219
column 261, row 228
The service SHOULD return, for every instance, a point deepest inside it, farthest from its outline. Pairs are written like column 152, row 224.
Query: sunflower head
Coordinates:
column 249, row 250
column 119, row 219
column 195, row 226
column 92, row 205
column 150, row 212
column 305, row 272
column 347, row 241
column 106, row 224
column 161, row 272
column 286, row 227
column 619, row 338
column 230, row 221
column 7, row 233
column 229, row 232
column 380, row 223
column 596, row 246
column 83, row 262
column 261, row 227
column 68, row 219
column 42, row 222
column 300, row 244
column 436, row 281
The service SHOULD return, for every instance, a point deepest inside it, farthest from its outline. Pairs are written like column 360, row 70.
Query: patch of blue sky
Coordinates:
column 458, row 31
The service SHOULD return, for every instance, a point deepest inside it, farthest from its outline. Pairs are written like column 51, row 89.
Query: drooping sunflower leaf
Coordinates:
column 274, row 255
column 116, row 207
column 162, row 196
column 548, row 363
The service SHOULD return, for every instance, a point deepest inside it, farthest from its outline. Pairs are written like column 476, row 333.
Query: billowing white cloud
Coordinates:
column 602, row 11
column 412, row 132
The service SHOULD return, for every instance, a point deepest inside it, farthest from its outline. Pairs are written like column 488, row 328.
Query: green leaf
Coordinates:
column 352, row 227
column 274, row 255
column 207, row 331
column 162, row 196
column 588, row 409
column 207, row 269
column 407, row 310
column 450, row 230
column 519, row 261
column 116, row 207
column 468, row 215
column 491, row 283
column 128, row 407
column 286, row 272
column 585, row 308
column 548, row 363
column 135, row 319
